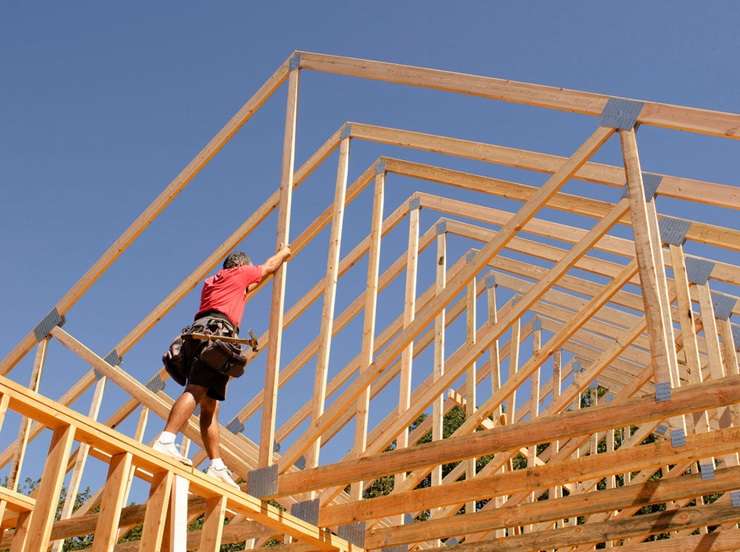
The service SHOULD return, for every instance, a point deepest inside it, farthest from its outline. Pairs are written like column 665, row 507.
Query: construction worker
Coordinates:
column 221, row 309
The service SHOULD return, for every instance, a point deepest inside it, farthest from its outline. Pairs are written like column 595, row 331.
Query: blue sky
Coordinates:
column 102, row 104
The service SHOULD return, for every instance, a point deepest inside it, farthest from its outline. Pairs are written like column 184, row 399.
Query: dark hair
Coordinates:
column 237, row 258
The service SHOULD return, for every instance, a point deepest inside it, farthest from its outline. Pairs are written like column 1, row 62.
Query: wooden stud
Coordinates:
column 439, row 349
column 272, row 372
column 106, row 530
column 330, row 292
column 39, row 529
column 213, row 525
column 157, row 506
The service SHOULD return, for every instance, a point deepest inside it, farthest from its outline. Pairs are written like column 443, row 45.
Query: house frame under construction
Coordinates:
column 637, row 408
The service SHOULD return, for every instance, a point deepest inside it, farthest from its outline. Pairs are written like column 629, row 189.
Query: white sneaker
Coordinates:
column 170, row 449
column 223, row 475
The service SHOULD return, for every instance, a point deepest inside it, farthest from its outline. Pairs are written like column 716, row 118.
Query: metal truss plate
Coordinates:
column 414, row 203
column 661, row 429
column 235, row 426
column 295, row 61
column 735, row 498
column 113, row 358
column 678, row 438
column 470, row 256
column 353, row 532
column 698, row 270
column 491, row 280
column 441, row 228
column 380, row 166
column 620, row 113
column 673, row 230
column 662, row 391
column 650, row 183
column 155, row 384
column 300, row 463
column 723, row 305
column 346, row 131
column 48, row 323
column 263, row 481
column 308, row 511
column 706, row 469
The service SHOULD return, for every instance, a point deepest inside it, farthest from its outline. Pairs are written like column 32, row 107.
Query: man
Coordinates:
column 222, row 302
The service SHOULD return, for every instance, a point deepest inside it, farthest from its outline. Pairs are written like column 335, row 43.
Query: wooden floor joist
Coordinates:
column 567, row 367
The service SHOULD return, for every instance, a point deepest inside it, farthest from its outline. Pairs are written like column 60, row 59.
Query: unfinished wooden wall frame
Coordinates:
column 578, row 356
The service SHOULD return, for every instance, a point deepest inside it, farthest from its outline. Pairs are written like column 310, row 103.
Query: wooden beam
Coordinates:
column 152, row 530
column 106, row 533
column 650, row 492
column 282, row 239
column 368, row 322
column 438, row 411
column 50, row 486
column 330, row 292
column 213, row 525
column 691, row 398
column 704, row 121
column 428, row 314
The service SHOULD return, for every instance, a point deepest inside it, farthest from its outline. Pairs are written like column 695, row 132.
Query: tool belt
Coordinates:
column 200, row 341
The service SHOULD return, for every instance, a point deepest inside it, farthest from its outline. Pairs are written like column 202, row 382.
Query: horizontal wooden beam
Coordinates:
column 539, row 477
column 53, row 415
column 16, row 502
column 649, row 492
column 690, row 119
column 692, row 398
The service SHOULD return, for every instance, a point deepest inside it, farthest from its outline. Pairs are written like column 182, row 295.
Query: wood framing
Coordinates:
column 533, row 365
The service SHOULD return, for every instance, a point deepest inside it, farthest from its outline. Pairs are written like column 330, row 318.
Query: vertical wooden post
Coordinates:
column 106, row 529
column 18, row 543
column 78, row 467
column 534, row 398
column 178, row 540
column 213, row 525
column 409, row 311
column 651, row 268
column 4, row 400
column 494, row 352
column 516, row 333
column 272, row 370
column 155, row 516
column 438, row 408
column 368, row 325
column 729, row 347
column 557, row 370
column 39, row 530
column 471, row 373
column 330, row 292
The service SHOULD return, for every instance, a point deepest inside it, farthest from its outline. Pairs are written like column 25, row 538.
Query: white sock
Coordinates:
column 166, row 437
column 217, row 464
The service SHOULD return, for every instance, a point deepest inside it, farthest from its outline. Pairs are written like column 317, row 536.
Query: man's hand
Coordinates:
column 274, row 262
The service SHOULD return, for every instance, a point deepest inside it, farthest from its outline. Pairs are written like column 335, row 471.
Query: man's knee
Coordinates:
column 197, row 391
column 208, row 407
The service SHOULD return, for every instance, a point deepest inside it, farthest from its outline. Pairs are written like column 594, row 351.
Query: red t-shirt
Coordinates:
column 226, row 291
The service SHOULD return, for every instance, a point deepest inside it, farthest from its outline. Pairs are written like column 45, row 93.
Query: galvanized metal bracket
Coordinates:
column 441, row 228
column 706, row 469
column 414, row 203
column 678, row 438
column 346, row 131
column 594, row 385
column 650, row 183
column 408, row 519
column 698, row 270
column 156, row 384
column 353, row 533
column 380, row 166
column 662, row 391
column 735, row 499
column 470, row 256
column 620, row 113
column 49, row 322
column 300, row 463
column 673, row 230
column 308, row 511
column 263, row 482
column 235, row 426
column 113, row 358
column 661, row 429
column 723, row 305
column 491, row 281
column 294, row 62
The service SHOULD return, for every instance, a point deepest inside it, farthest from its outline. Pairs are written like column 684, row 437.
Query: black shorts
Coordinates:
column 200, row 373
column 215, row 382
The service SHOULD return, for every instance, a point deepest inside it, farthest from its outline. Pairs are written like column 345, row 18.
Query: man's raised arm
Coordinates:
column 274, row 262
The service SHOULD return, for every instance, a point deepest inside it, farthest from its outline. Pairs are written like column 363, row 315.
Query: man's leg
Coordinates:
column 209, row 426
column 184, row 407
